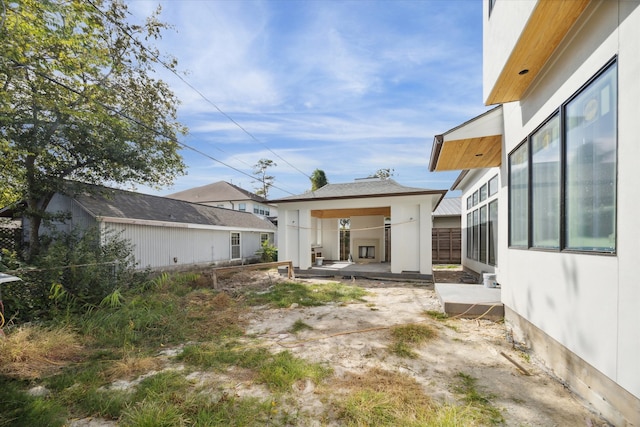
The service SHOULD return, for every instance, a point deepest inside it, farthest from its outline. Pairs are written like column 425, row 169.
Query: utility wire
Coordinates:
column 126, row 116
column 227, row 116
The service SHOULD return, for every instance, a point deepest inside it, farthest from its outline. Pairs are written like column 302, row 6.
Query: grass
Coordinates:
column 435, row 314
column 383, row 398
column 478, row 402
column 307, row 295
column 78, row 363
column 407, row 337
column 299, row 326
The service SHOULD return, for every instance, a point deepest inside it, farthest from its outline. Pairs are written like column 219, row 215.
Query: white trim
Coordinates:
column 154, row 223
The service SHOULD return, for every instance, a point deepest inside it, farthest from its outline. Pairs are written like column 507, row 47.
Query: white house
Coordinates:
column 226, row 195
column 165, row 232
column 388, row 222
column 549, row 178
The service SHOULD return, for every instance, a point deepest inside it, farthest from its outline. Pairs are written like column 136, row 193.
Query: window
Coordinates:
column 545, row 185
column 235, row 245
column 493, row 186
column 518, row 196
column 256, row 209
column 264, row 237
column 591, row 139
column 482, row 223
column 242, row 207
column 266, row 211
column 493, row 232
column 475, row 198
column 565, row 193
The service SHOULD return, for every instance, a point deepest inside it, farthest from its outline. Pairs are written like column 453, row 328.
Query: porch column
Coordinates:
column 304, row 238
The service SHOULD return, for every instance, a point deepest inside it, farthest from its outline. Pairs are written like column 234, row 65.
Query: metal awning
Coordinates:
column 472, row 145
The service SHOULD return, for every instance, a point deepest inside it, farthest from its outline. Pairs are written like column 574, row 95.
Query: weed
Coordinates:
column 405, row 337
column 467, row 388
column 298, row 326
column 435, row 314
column 152, row 413
column 287, row 293
column 18, row 408
column 282, row 370
column 219, row 356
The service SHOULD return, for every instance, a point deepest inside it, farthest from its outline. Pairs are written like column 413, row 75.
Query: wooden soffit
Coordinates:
column 549, row 23
column 348, row 213
column 475, row 144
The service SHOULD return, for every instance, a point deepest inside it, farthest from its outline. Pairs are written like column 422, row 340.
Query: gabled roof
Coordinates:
column 360, row 188
column 111, row 204
column 220, row 191
column 449, row 207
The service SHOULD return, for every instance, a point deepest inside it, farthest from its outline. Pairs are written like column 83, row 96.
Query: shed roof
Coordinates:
column 449, row 207
column 216, row 192
column 103, row 202
column 360, row 188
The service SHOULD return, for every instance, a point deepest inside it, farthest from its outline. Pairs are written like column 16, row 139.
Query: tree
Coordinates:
column 79, row 101
column 265, row 181
column 318, row 179
column 384, row 173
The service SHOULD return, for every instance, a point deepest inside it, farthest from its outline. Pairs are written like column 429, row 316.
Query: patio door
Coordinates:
column 387, row 242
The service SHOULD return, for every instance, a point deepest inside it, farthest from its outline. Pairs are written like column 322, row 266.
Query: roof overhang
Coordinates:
column 547, row 26
column 472, row 145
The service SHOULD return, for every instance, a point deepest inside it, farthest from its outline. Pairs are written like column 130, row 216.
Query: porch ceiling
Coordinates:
column 549, row 23
column 347, row 213
column 475, row 144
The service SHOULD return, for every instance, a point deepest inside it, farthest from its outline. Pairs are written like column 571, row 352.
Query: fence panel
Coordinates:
column 446, row 246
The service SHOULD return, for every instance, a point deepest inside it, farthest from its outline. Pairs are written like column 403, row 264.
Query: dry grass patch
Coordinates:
column 131, row 367
column 31, row 352
column 383, row 398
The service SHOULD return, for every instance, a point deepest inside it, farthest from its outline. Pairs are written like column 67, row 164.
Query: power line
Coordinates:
column 227, row 116
column 127, row 117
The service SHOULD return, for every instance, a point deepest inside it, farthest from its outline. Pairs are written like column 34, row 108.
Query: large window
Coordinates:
column 482, row 223
column 518, row 196
column 564, row 192
column 545, row 185
column 591, row 140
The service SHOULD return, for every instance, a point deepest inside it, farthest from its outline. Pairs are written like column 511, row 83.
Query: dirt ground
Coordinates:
column 353, row 338
column 348, row 339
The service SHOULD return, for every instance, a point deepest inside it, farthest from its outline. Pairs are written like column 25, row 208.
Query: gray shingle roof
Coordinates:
column 109, row 202
column 220, row 191
column 449, row 207
column 370, row 187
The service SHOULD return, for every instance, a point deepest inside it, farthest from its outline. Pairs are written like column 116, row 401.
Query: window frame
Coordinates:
column 563, row 226
column 233, row 245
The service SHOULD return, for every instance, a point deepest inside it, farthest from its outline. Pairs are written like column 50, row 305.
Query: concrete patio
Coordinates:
column 374, row 270
column 470, row 300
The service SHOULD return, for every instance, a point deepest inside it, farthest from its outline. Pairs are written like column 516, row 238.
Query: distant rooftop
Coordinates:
column 220, row 191
column 360, row 188
column 449, row 207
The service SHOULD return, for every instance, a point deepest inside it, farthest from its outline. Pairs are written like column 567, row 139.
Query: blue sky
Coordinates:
column 348, row 87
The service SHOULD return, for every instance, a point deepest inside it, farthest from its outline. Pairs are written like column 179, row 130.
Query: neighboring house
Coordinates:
column 165, row 232
column 225, row 195
column 559, row 159
column 447, row 236
column 388, row 221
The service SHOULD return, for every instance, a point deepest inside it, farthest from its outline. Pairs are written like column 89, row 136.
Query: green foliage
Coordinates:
column 435, row 314
column 307, row 295
column 282, row 370
column 80, row 101
column 18, row 408
column 384, row 173
column 318, row 179
column 268, row 252
column 74, row 272
column 264, row 181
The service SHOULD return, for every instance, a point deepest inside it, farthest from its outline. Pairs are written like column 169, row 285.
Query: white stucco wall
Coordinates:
column 411, row 226
column 587, row 302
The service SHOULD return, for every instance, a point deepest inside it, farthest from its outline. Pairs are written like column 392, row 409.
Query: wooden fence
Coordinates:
column 446, row 246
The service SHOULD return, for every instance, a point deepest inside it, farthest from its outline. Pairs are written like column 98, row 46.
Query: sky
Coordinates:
column 348, row 87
